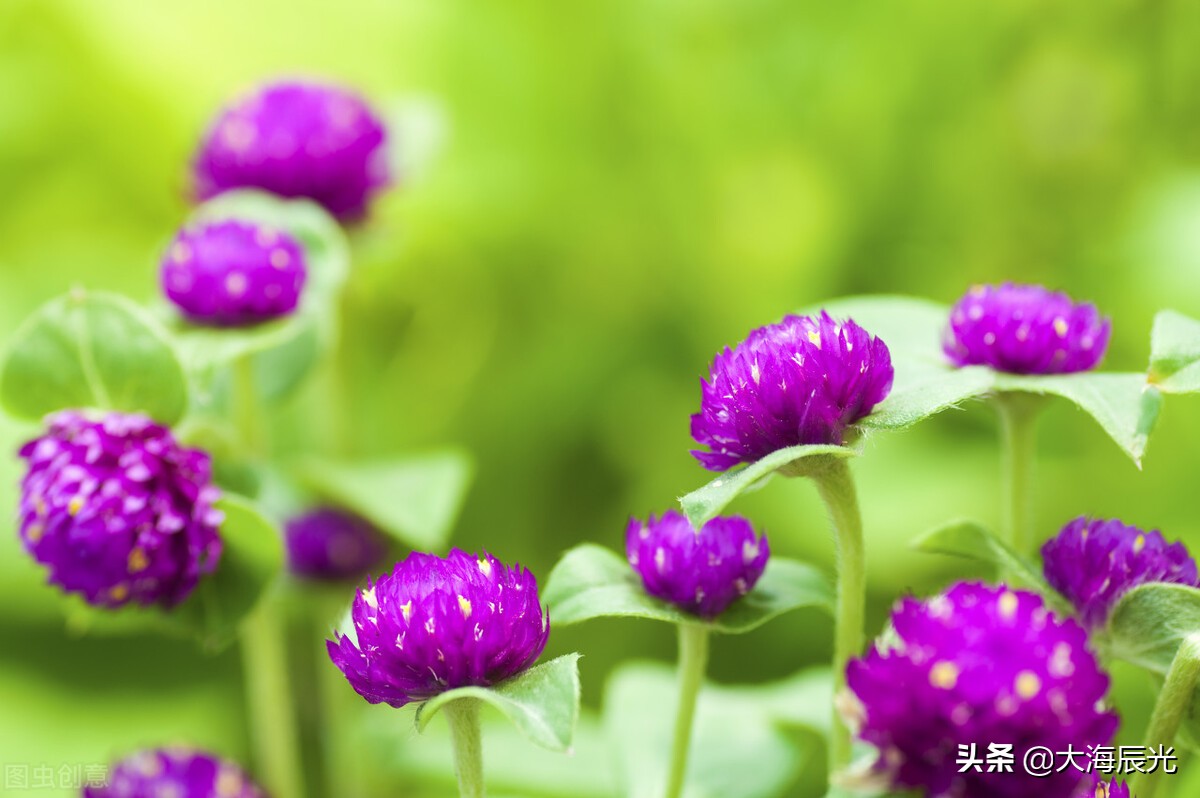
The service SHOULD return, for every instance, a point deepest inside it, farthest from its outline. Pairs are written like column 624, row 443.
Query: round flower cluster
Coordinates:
column 804, row 380
column 118, row 510
column 701, row 572
column 328, row 543
column 436, row 624
column 177, row 773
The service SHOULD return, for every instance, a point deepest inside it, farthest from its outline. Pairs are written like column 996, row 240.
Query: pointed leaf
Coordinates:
column 1150, row 621
column 707, row 502
column 591, row 581
column 415, row 499
column 1175, row 353
column 973, row 541
column 92, row 350
column 542, row 702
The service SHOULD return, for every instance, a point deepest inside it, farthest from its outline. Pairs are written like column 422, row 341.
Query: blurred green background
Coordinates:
column 622, row 188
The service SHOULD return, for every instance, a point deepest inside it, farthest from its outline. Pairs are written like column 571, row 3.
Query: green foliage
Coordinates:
column 542, row 702
column 92, row 350
column 1175, row 353
column 591, row 581
column 973, row 541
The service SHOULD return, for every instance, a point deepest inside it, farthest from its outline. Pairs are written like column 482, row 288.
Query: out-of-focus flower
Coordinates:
column 436, row 624
column 1025, row 329
column 233, row 272
column 117, row 510
column 1093, row 563
column 804, row 380
column 297, row 139
column 328, row 543
column 975, row 667
column 175, row 773
column 699, row 572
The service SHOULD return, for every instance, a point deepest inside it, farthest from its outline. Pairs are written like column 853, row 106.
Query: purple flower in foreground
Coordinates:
column 233, row 273
column 118, row 510
column 332, row 544
column 177, row 773
column 1094, row 562
column 977, row 666
column 297, row 139
column 1025, row 329
column 699, row 572
column 801, row 381
column 435, row 624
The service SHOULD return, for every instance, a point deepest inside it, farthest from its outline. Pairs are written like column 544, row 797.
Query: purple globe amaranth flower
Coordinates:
column 699, row 572
column 1025, row 329
column 175, row 772
column 435, row 624
column 118, row 510
column 229, row 273
column 801, row 381
column 1099, row 788
column 974, row 667
column 297, row 139
column 328, row 543
column 1094, row 562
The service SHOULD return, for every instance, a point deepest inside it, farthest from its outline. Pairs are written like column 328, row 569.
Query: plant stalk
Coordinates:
column 465, row 733
column 693, row 661
column 269, row 699
column 1018, row 425
column 1174, row 702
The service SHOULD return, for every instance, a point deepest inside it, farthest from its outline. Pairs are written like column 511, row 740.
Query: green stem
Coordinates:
column 693, row 661
column 268, row 696
column 836, row 487
column 1174, row 701
column 248, row 418
column 463, row 715
column 1018, row 424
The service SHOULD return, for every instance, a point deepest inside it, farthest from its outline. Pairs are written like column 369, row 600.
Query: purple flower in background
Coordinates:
column 1094, row 562
column 973, row 667
column 177, row 773
column 1098, row 788
column 801, row 381
column 435, row 624
column 118, row 510
column 699, row 572
column 297, row 139
column 1025, row 329
column 233, row 273
column 327, row 543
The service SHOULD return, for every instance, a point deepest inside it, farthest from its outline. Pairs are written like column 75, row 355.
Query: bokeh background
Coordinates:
column 619, row 189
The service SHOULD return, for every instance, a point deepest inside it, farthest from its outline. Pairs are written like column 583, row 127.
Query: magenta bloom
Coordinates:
column 699, row 572
column 297, row 139
column 231, row 273
column 1093, row 563
column 330, row 544
column 1025, row 329
column 117, row 510
column 801, row 381
column 1098, row 788
column 974, row 667
column 177, row 773
column 435, row 624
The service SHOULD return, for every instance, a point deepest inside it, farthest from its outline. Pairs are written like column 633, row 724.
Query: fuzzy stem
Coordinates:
column 463, row 715
column 836, row 487
column 693, row 661
column 1174, row 702
column 268, row 696
column 1018, row 423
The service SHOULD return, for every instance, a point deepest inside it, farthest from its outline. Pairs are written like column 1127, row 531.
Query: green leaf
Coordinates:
column 1175, row 353
column 1150, row 621
column 542, row 702
column 802, row 700
column 737, row 749
column 973, row 541
column 707, row 502
column 591, row 581
column 414, row 499
column 92, row 350
column 251, row 557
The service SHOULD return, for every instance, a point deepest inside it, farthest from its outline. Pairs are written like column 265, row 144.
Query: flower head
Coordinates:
column 297, row 139
column 233, row 273
column 1094, row 562
column 801, row 381
column 175, row 772
column 974, row 667
column 699, row 572
column 1025, row 329
column 118, row 510
column 1097, row 787
column 332, row 544
column 436, row 624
